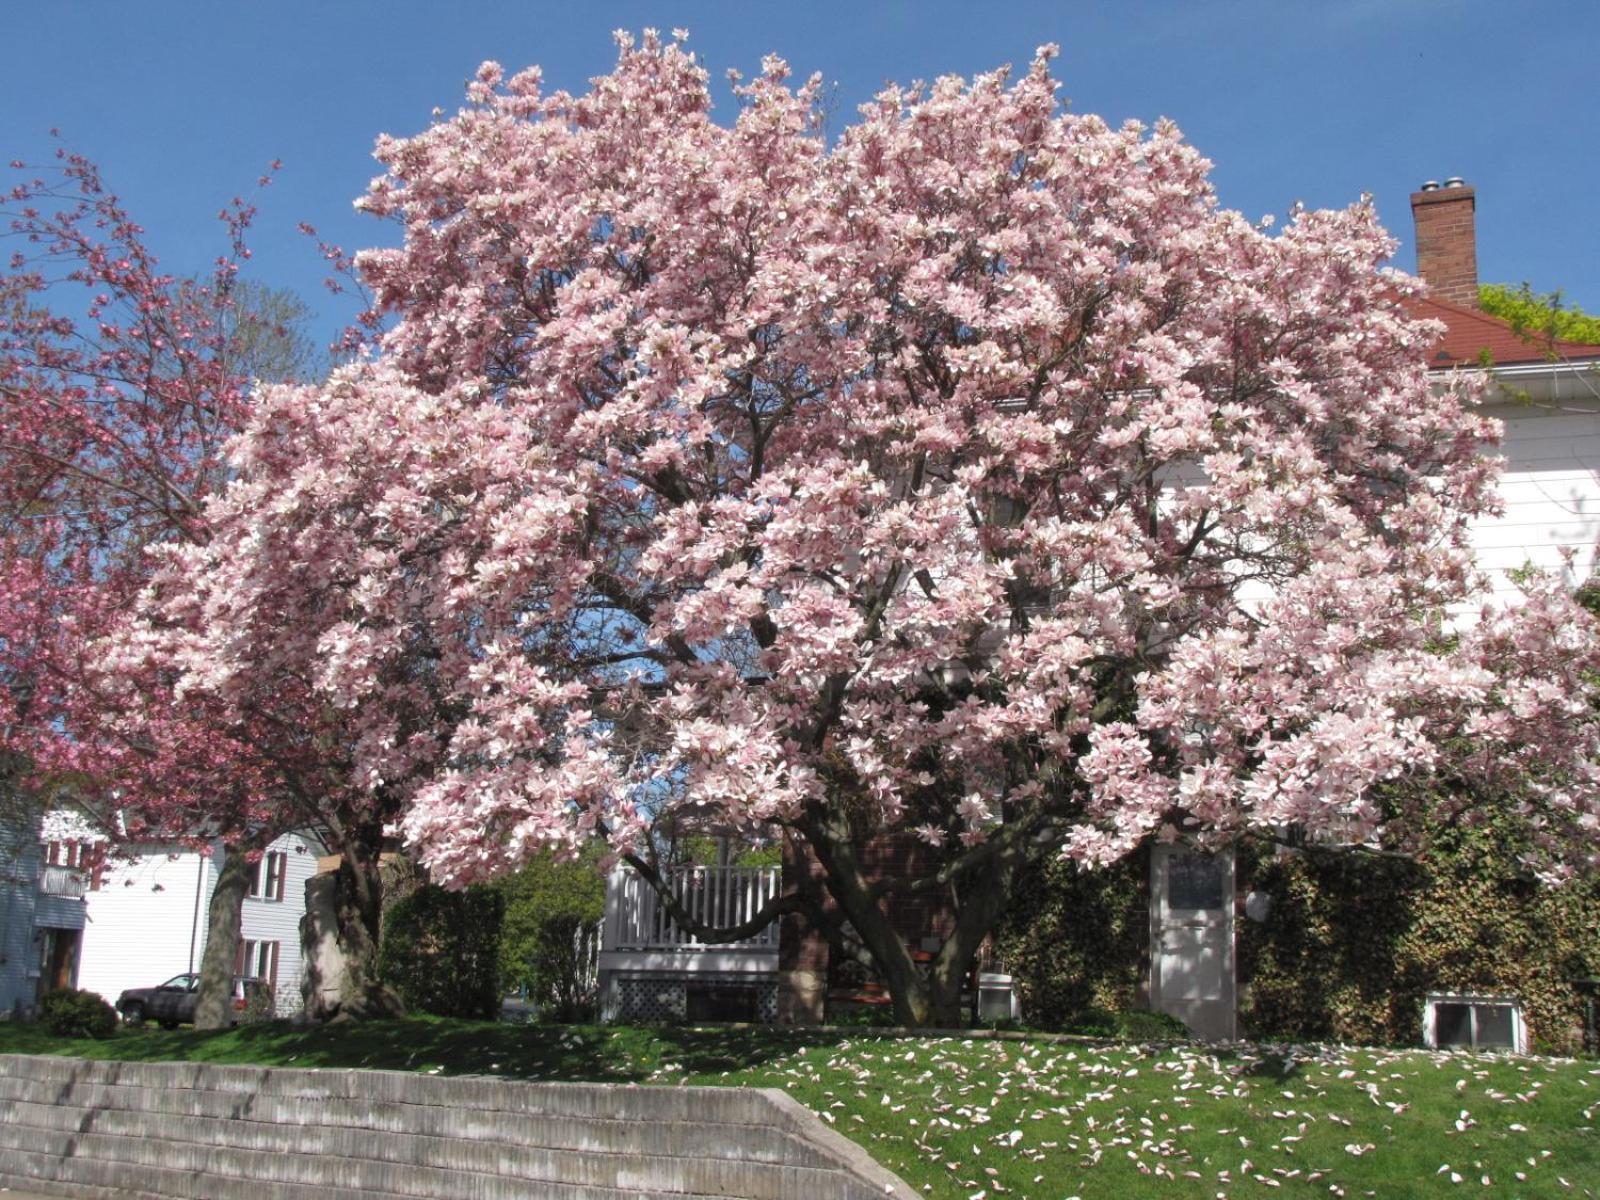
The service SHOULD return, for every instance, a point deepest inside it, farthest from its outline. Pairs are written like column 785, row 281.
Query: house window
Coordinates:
column 257, row 960
column 1455, row 1022
column 266, row 876
column 1195, row 881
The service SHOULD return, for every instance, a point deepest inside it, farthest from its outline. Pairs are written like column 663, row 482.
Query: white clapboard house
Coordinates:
column 145, row 909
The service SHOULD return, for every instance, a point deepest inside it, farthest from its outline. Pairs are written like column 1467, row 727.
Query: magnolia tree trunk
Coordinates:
column 850, row 896
column 339, row 939
column 214, row 1005
column 859, row 925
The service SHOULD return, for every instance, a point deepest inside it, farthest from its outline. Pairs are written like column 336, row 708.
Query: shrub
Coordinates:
column 66, row 1012
column 1128, row 1025
column 553, row 908
column 1141, row 1025
column 260, row 1004
column 847, row 1014
column 440, row 951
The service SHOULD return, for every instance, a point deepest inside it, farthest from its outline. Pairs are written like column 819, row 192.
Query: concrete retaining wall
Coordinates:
column 71, row 1127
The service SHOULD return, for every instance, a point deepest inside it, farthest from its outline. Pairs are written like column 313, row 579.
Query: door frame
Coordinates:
column 1217, row 924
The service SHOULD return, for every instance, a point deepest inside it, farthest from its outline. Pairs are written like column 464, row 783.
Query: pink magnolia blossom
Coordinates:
column 976, row 477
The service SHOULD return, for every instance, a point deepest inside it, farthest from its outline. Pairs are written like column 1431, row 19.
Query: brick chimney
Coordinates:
column 1447, row 240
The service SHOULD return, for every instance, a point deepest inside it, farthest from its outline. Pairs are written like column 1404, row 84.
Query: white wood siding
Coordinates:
column 1551, row 490
column 264, row 920
column 146, row 922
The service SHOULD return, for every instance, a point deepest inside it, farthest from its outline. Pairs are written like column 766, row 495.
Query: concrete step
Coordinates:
column 87, row 1178
column 208, row 1132
column 489, row 1177
column 392, row 1162
column 294, row 1122
column 13, row 1188
column 721, row 1106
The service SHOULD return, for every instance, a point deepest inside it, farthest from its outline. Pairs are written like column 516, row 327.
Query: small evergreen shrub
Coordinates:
column 1128, row 1025
column 850, row 1015
column 440, row 951
column 550, row 941
column 66, row 1012
column 1141, row 1025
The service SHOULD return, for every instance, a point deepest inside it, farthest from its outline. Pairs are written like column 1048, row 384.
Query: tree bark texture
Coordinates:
column 339, row 938
column 213, row 1006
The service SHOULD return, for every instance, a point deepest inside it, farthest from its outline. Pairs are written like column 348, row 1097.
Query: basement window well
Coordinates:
column 1465, row 1022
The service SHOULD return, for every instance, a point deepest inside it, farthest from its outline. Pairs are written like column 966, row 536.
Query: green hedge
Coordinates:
column 440, row 951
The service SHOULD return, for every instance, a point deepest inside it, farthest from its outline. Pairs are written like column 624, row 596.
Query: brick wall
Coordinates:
column 803, row 957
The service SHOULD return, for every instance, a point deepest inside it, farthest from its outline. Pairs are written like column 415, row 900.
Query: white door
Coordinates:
column 1191, row 927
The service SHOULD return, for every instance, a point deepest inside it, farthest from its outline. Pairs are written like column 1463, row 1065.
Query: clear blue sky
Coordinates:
column 183, row 104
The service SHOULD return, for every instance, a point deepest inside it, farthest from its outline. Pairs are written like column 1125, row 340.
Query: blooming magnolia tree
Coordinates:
column 975, row 479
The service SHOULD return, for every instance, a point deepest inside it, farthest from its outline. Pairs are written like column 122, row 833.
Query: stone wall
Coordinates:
column 72, row 1127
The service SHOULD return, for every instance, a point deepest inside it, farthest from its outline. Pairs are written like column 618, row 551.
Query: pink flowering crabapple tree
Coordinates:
column 975, row 478
column 120, row 384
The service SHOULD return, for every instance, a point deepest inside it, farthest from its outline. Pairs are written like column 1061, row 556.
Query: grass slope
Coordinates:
column 975, row 1119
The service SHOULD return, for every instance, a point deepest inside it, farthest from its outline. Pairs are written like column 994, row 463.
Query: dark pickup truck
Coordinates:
column 172, row 1003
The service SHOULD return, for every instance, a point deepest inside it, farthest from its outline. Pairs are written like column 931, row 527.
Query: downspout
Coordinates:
column 194, row 923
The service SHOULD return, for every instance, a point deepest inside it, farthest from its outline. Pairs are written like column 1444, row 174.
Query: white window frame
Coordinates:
column 267, row 876
column 259, row 959
column 1430, row 1018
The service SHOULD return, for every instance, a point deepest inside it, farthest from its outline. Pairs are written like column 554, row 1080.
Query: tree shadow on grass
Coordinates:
column 568, row 1053
column 1267, row 1064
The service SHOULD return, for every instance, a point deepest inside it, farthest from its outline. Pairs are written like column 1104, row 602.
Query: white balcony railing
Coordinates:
column 637, row 919
column 63, row 881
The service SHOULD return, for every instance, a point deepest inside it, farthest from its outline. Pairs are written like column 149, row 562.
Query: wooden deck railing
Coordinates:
column 637, row 919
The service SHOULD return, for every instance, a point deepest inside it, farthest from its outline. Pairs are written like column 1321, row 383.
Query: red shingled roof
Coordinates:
column 1469, row 333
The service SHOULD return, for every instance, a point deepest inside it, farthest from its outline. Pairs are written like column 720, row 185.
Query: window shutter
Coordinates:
column 272, row 973
column 94, row 857
column 283, row 869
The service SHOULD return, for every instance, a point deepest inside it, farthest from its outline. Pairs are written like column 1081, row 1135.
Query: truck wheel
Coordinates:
column 133, row 1015
column 169, row 1023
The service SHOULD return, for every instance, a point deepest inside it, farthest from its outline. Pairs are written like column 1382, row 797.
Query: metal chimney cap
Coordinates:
column 1455, row 181
column 1431, row 185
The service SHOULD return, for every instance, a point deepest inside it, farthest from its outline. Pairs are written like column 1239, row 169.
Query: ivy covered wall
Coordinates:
column 1075, row 940
column 1351, row 945
column 1354, row 942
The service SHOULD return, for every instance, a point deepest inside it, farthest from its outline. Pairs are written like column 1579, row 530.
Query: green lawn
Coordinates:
column 962, row 1118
